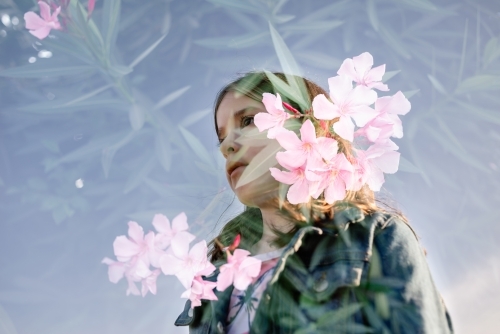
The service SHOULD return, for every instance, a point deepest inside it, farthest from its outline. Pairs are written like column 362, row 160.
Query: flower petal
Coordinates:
column 135, row 232
column 324, row 109
column 45, row 11
column 344, row 128
column 33, row 21
column 179, row 223
column 40, row 33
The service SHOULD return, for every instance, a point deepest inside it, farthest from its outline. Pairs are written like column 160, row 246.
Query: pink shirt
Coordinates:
column 243, row 304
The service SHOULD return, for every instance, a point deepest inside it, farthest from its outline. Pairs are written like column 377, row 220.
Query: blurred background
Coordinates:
column 110, row 120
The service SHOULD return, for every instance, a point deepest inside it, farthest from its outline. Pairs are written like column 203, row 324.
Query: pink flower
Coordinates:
column 134, row 271
column 275, row 117
column 371, row 164
column 90, row 8
column 239, row 270
column 303, row 185
column 137, row 245
column 40, row 26
column 360, row 70
column 199, row 290
column 185, row 263
column 299, row 151
column 336, row 176
column 116, row 269
column 347, row 103
column 167, row 233
column 149, row 283
column 387, row 123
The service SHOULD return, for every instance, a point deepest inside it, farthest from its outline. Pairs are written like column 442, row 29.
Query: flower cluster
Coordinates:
column 314, row 165
column 142, row 258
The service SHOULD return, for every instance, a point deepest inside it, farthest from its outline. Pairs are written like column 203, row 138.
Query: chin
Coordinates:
column 258, row 193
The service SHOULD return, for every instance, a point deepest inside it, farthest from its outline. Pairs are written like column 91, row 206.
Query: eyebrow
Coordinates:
column 235, row 115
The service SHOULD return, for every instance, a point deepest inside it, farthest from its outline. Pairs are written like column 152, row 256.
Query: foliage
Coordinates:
column 123, row 104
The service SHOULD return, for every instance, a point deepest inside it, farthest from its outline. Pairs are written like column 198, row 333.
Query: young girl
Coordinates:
column 344, row 266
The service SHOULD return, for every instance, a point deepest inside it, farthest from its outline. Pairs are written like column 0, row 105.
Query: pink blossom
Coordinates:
column 275, row 117
column 239, row 270
column 90, row 8
column 185, row 263
column 303, row 185
column 116, row 269
column 347, row 103
column 199, row 290
column 166, row 233
column 149, row 283
column 336, row 176
column 300, row 151
column 137, row 246
column 371, row 164
column 360, row 70
column 40, row 26
column 387, row 123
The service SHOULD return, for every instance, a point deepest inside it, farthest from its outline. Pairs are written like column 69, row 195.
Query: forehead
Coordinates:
column 231, row 106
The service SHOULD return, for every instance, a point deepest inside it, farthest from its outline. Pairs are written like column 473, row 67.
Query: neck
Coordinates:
column 272, row 220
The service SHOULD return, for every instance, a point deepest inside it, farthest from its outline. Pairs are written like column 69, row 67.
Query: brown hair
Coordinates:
column 249, row 223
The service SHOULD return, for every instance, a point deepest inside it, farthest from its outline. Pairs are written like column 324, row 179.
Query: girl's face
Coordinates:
column 235, row 124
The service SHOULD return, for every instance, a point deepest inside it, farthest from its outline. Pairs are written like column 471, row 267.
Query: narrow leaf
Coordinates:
column 196, row 146
column 260, row 164
column 312, row 27
column 163, row 150
column 137, row 116
column 389, row 75
column 238, row 5
column 476, row 83
column 408, row 94
column 146, row 52
column 437, row 85
column 171, row 97
column 41, row 70
column 110, row 23
column 372, row 14
column 194, row 117
column 248, row 40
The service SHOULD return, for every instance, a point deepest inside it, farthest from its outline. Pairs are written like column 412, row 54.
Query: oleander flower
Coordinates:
column 275, row 117
column 348, row 102
column 360, row 70
column 372, row 163
column 186, row 263
column 40, row 26
column 199, row 290
column 387, row 123
column 239, row 270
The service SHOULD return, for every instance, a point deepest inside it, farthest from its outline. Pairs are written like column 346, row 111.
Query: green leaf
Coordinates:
column 408, row 94
column 110, row 23
column 42, row 70
column 146, row 52
column 491, row 51
column 137, row 177
column 88, row 95
column 485, row 82
column 331, row 318
column 283, row 88
column 389, row 75
column 319, row 60
column 406, row 166
column 260, row 164
column 238, row 5
column 291, row 69
column 248, row 40
column 55, row 107
column 425, row 5
column 194, row 117
column 372, row 14
column 171, row 97
column 312, row 27
column 163, row 150
column 196, row 146
column 109, row 152
column 137, row 116
column 437, row 85
column 393, row 40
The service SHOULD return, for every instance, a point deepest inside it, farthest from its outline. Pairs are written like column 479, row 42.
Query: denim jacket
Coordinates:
column 355, row 274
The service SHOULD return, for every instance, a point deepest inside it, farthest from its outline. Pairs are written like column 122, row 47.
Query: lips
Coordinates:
column 234, row 166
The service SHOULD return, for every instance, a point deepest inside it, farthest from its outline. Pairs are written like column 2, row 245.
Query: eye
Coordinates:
column 246, row 121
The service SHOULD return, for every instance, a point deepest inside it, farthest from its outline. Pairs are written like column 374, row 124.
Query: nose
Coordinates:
column 229, row 145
